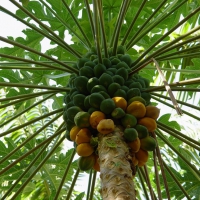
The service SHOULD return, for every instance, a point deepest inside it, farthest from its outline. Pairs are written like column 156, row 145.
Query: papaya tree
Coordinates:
column 103, row 91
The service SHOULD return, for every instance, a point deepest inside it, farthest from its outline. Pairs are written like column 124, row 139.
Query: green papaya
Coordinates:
column 67, row 135
column 72, row 111
column 105, row 94
column 121, row 49
column 113, row 70
column 128, row 82
column 128, row 121
column 71, row 80
column 147, row 97
column 65, row 115
column 106, row 62
column 136, row 98
column 109, row 72
column 107, row 106
column 130, row 134
column 135, row 85
column 99, row 69
column 105, row 80
column 115, row 61
column 123, row 73
column 86, row 71
column 96, row 99
column 125, row 88
column 69, row 124
column 91, row 83
column 142, row 131
column 133, row 92
column 81, row 62
column 92, row 109
column 146, row 81
column 96, row 61
column 87, row 102
column 89, row 64
column 66, row 98
column 68, row 105
column 112, row 57
column 93, row 57
column 141, row 81
column 118, row 79
column 127, row 59
column 78, row 100
column 80, row 83
column 82, row 119
column 118, row 113
column 86, row 162
column 148, row 143
column 120, row 93
column 74, row 93
column 122, row 65
column 98, row 88
column 88, row 54
column 112, row 88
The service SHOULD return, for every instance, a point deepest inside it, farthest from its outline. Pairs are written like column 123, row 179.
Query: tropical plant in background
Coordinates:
column 101, row 107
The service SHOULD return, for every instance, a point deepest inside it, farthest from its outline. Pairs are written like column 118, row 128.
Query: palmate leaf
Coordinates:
column 33, row 84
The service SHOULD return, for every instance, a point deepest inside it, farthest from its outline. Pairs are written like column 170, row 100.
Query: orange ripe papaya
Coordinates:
column 137, row 109
column 95, row 118
column 83, row 136
column 96, row 164
column 149, row 123
column 73, row 132
column 152, row 111
column 134, row 145
column 120, row 102
column 84, row 149
column 142, row 156
column 106, row 126
column 134, row 161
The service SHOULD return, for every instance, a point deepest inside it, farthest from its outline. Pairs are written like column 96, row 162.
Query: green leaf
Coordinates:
column 165, row 119
column 80, row 196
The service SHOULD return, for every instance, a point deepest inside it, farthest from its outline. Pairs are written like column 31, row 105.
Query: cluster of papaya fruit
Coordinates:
column 102, row 96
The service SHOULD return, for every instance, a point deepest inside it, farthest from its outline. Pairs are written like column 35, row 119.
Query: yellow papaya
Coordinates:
column 95, row 118
column 134, row 145
column 152, row 111
column 149, row 123
column 137, row 109
column 142, row 156
column 120, row 102
column 73, row 132
column 83, row 136
column 84, row 149
column 106, row 126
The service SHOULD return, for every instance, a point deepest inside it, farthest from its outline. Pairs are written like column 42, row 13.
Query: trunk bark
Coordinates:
column 116, row 170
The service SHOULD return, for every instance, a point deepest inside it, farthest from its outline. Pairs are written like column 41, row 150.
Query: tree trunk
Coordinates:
column 116, row 170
